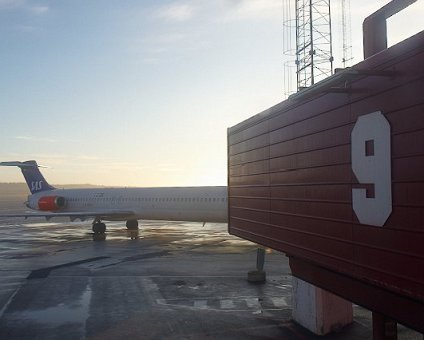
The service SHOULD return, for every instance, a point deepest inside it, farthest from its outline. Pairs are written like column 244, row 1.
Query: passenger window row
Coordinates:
column 148, row 199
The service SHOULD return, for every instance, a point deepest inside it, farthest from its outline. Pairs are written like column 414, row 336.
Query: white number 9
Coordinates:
column 371, row 164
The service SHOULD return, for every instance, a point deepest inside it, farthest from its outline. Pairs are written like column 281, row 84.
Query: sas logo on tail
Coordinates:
column 36, row 186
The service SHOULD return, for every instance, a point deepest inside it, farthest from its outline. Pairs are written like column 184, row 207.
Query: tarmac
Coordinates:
column 167, row 281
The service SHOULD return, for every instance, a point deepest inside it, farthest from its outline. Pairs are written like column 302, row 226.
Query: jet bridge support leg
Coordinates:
column 383, row 328
column 258, row 275
column 314, row 308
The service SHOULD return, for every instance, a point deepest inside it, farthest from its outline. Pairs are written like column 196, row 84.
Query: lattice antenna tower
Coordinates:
column 314, row 52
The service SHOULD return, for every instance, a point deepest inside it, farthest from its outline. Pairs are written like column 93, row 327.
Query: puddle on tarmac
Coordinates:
column 23, row 239
column 76, row 313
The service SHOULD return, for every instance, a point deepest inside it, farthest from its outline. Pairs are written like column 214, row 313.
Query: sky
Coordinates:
column 141, row 93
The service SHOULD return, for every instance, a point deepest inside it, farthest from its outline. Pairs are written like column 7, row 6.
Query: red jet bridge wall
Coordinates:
column 334, row 178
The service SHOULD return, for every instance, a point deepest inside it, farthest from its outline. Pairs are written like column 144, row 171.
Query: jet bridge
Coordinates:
column 334, row 178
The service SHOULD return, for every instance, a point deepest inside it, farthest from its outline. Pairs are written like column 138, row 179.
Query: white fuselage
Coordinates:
column 202, row 204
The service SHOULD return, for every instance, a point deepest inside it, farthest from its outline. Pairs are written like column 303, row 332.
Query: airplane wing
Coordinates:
column 83, row 215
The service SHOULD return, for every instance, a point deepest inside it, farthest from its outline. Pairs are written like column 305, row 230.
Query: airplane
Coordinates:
column 196, row 204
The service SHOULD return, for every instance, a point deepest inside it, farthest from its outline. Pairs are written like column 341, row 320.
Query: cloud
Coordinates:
column 150, row 60
column 178, row 12
column 24, row 6
column 253, row 9
column 39, row 10
column 219, row 9
column 184, row 26
column 6, row 4
column 35, row 139
column 165, row 38
column 26, row 28
column 156, row 45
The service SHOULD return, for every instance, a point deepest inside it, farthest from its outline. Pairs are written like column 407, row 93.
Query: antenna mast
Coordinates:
column 314, row 52
column 308, row 41
column 346, row 33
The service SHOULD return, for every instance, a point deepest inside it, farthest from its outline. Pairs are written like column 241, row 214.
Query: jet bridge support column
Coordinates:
column 383, row 328
column 319, row 310
column 258, row 275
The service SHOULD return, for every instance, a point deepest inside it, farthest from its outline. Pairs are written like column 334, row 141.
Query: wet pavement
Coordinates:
column 169, row 280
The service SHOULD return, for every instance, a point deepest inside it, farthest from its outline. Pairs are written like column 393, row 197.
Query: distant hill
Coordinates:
column 14, row 189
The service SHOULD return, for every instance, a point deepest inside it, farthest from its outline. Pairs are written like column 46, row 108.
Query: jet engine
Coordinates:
column 51, row 203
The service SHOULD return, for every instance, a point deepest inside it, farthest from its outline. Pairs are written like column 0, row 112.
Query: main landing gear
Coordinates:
column 132, row 224
column 99, row 227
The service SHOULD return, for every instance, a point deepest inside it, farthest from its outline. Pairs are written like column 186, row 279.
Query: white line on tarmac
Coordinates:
column 227, row 304
column 201, row 304
column 253, row 303
column 279, row 302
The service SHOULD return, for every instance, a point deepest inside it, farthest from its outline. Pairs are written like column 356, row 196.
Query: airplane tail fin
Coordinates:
column 33, row 177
